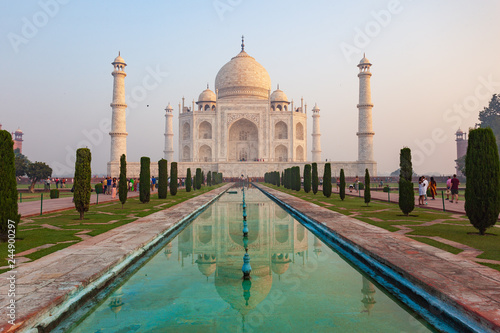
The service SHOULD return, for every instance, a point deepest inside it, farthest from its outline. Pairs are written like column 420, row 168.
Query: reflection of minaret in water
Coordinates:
column 168, row 250
column 317, row 246
column 115, row 303
column 368, row 295
column 206, row 264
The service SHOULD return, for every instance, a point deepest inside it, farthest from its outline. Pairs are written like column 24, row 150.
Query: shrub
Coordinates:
column 122, row 182
column 209, row 178
column 482, row 194
column 361, row 186
column 82, row 187
column 202, row 178
column 144, row 180
column 367, row 193
column 406, row 194
column 54, row 193
column 188, row 180
column 298, row 185
column 342, row 185
column 327, row 180
column 173, row 178
column 162, row 178
column 386, row 188
column 98, row 188
column 277, row 177
column 307, row 178
column 214, row 176
column 315, row 178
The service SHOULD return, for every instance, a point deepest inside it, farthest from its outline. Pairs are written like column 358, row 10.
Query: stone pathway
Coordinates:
column 464, row 284
column 32, row 208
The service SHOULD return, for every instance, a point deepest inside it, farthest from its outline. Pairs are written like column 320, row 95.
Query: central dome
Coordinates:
column 243, row 76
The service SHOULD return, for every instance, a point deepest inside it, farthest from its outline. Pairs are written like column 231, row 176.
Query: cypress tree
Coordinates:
column 214, row 175
column 482, row 194
column 123, row 184
column 293, row 184
column 307, row 178
column 367, row 193
column 188, row 180
column 315, row 180
column 297, row 178
column 83, row 174
column 283, row 178
column 277, row 175
column 202, row 178
column 342, row 185
column 162, row 178
column 144, row 180
column 198, row 178
column 406, row 194
column 209, row 178
column 327, row 180
column 8, row 187
column 173, row 178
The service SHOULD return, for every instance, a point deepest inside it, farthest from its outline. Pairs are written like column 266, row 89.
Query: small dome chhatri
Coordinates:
column 207, row 95
column 279, row 96
column 364, row 61
column 119, row 60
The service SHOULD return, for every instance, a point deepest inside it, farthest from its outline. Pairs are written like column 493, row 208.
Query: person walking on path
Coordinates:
column 113, row 191
column 426, row 185
column 454, row 188
column 448, row 188
column 432, row 188
column 421, row 191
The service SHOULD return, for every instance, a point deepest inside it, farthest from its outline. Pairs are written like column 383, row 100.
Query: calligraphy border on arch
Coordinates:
column 231, row 118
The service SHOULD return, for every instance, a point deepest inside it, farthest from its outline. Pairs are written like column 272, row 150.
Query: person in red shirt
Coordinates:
column 454, row 188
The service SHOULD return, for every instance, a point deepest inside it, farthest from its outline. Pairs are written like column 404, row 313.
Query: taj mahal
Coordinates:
column 243, row 127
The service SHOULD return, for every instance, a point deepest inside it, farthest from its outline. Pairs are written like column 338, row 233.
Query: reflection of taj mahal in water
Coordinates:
column 243, row 127
column 276, row 242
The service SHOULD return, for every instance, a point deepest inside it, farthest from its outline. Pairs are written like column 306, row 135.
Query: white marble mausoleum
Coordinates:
column 242, row 126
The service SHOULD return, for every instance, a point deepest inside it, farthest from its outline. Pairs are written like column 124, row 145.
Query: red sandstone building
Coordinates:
column 17, row 137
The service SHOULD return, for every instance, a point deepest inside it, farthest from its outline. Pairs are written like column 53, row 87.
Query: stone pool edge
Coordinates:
column 48, row 295
column 435, row 271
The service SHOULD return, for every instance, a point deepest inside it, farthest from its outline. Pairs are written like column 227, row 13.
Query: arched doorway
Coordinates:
column 281, row 154
column 205, row 154
column 243, row 141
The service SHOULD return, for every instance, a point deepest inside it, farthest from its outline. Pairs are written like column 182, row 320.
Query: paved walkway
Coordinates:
column 470, row 287
column 32, row 208
column 43, row 286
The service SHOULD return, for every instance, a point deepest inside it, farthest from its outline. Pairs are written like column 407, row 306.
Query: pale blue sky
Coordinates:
column 427, row 57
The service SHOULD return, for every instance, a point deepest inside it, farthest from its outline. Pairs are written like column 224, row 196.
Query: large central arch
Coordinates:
column 243, row 141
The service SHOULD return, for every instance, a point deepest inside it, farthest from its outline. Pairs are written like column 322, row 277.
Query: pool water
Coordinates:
column 298, row 284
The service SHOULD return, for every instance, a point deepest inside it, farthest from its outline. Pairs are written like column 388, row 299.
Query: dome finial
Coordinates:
column 242, row 43
column 207, row 85
column 278, row 86
column 118, row 53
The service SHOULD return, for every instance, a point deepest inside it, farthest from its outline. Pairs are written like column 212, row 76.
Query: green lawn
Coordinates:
column 66, row 224
column 450, row 226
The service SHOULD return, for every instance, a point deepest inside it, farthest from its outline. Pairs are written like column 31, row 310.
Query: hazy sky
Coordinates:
column 435, row 66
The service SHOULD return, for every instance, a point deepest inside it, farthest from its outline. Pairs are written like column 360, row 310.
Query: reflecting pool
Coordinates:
column 298, row 284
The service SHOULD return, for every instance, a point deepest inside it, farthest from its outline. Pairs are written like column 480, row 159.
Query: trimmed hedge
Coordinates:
column 122, row 183
column 327, row 180
column 54, row 193
column 315, row 178
column 173, row 178
column 144, row 180
column 162, row 178
column 82, row 187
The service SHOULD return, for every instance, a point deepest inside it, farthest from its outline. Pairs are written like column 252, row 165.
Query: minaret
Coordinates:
column 316, row 134
column 118, row 121
column 462, row 143
column 365, row 129
column 169, row 134
column 18, row 140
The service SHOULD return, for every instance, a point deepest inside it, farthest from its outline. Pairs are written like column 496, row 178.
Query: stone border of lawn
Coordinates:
column 453, row 285
column 50, row 288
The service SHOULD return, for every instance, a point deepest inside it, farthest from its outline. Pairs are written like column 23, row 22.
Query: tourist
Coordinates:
column 454, row 188
column 63, row 183
column 426, row 185
column 356, row 184
column 131, row 184
column 153, row 183
column 57, row 182
column 421, row 191
column 113, row 191
column 448, row 188
column 108, row 182
column 47, row 184
column 433, row 188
